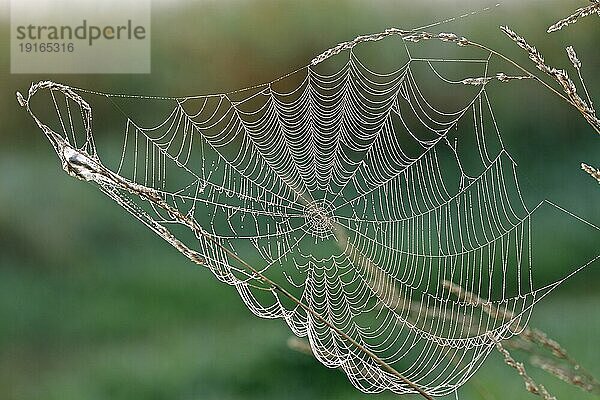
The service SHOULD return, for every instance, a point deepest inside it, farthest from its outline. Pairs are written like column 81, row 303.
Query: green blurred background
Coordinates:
column 94, row 306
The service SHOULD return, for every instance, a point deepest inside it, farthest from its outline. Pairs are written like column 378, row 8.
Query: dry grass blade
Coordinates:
column 534, row 54
column 573, row 57
column 592, row 171
column 564, row 373
column 557, row 363
column 577, row 65
column 409, row 36
column 573, row 18
column 530, row 384
column 559, row 76
column 500, row 77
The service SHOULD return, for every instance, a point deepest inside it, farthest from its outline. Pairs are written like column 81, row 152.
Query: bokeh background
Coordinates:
column 94, row 306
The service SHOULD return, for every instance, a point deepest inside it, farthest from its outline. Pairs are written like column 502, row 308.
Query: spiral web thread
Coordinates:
column 351, row 190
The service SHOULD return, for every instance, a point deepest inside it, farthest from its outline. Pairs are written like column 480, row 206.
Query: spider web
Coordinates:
column 351, row 189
